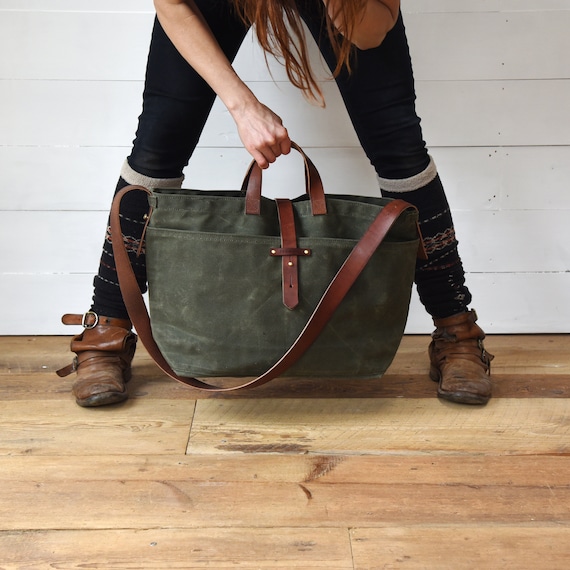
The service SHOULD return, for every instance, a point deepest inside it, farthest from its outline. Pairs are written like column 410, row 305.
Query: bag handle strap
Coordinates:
column 331, row 299
column 251, row 186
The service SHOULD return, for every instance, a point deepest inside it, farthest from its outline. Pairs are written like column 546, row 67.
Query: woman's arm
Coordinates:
column 377, row 19
column 260, row 130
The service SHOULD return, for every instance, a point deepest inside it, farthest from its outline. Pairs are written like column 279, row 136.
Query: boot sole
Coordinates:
column 104, row 399
column 462, row 398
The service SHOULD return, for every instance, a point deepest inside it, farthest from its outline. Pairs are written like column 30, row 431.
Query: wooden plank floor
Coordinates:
column 297, row 474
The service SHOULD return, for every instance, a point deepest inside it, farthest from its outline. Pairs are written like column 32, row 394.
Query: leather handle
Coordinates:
column 251, row 186
column 331, row 299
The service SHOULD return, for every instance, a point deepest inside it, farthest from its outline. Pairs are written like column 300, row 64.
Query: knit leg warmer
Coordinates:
column 440, row 279
column 107, row 298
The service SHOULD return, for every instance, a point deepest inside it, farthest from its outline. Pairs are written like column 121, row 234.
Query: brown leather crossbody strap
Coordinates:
column 331, row 299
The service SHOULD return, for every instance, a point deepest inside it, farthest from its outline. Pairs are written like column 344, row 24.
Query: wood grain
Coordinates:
column 344, row 480
column 461, row 547
column 172, row 549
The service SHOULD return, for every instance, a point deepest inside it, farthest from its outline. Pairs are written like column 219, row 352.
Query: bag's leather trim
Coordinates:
column 298, row 251
column 289, row 263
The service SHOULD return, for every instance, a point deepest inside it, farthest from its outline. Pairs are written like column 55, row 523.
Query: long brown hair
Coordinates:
column 280, row 32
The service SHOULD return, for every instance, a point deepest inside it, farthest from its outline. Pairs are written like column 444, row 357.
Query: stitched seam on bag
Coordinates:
column 339, row 243
column 202, row 235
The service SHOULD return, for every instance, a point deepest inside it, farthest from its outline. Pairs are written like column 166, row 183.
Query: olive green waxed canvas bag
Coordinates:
column 245, row 286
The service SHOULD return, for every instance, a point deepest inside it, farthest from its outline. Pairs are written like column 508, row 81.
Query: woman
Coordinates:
column 364, row 44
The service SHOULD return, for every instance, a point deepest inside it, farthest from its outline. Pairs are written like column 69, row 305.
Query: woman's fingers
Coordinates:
column 266, row 154
column 286, row 145
column 262, row 133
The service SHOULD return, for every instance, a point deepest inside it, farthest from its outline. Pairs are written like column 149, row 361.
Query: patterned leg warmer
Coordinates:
column 440, row 279
column 107, row 298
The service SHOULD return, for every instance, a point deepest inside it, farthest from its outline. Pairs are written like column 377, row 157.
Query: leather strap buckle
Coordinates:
column 86, row 317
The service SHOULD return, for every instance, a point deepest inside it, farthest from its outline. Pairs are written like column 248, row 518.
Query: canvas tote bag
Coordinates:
column 241, row 285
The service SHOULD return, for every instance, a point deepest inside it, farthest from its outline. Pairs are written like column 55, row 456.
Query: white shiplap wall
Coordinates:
column 493, row 83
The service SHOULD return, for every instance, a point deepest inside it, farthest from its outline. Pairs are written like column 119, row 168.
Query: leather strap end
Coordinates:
column 422, row 252
column 69, row 319
column 290, row 282
column 66, row 370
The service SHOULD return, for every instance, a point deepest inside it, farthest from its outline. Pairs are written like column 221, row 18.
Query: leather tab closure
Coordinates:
column 67, row 370
column 289, row 253
column 298, row 251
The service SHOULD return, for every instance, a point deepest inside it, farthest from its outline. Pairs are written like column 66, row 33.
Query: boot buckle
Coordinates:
column 89, row 325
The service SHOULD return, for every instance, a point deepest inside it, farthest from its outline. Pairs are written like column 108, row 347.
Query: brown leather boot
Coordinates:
column 459, row 361
column 104, row 352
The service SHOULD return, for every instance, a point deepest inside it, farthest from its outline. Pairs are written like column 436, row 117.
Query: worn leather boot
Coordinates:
column 104, row 352
column 459, row 361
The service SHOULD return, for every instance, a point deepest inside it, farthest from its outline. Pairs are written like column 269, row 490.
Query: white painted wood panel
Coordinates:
column 34, row 304
column 493, row 82
column 59, row 177
column 522, row 302
column 488, row 45
column 483, row 113
column 52, row 242
column 68, row 113
column 91, row 6
column 79, row 47
column 455, row 113
column 460, row 6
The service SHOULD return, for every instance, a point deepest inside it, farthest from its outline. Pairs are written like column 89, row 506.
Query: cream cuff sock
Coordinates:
column 410, row 184
column 132, row 177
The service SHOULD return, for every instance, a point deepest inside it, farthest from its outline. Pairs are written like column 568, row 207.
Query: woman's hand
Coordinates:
column 261, row 131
